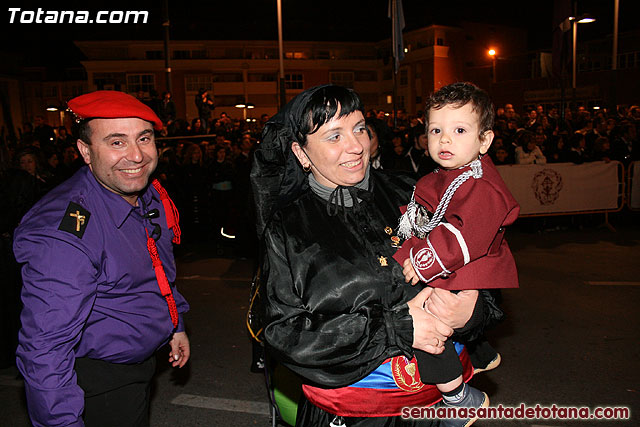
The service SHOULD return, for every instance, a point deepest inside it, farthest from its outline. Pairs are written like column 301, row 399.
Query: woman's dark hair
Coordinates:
column 322, row 107
column 460, row 94
column 524, row 138
column 575, row 140
column 381, row 129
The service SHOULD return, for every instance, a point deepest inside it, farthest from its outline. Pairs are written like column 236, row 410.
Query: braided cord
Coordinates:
column 410, row 215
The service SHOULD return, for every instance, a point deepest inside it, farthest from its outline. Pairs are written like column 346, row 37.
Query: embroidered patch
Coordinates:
column 424, row 258
column 405, row 374
column 75, row 220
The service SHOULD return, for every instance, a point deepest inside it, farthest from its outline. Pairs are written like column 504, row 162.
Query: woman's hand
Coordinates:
column 454, row 310
column 429, row 333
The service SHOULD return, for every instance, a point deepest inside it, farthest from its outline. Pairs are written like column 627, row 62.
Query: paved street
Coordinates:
column 571, row 337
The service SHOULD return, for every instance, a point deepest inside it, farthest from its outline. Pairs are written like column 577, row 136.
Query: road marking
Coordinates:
column 593, row 283
column 232, row 405
column 9, row 381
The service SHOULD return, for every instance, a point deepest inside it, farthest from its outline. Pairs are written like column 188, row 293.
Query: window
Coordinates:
column 50, row 91
column 365, row 76
column 342, row 78
column 293, row 81
column 629, row 60
column 404, row 79
column 227, row 77
column 153, row 54
column 323, row 54
column 261, row 77
column 233, row 53
column 199, row 54
column 141, row 82
column 294, row 55
column 369, row 99
column 196, row 81
column 271, row 54
column 181, row 54
column 440, row 41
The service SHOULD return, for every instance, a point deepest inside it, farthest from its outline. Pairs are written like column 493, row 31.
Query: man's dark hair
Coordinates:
column 459, row 94
column 81, row 130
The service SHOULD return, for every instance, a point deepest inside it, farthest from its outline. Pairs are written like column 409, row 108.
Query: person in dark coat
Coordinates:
column 337, row 309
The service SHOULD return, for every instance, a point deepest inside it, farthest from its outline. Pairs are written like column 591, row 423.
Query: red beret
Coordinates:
column 111, row 104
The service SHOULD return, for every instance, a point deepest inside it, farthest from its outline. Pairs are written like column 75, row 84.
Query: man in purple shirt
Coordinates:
column 98, row 273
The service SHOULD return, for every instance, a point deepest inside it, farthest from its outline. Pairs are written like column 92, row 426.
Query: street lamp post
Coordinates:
column 492, row 53
column 281, row 84
column 575, row 20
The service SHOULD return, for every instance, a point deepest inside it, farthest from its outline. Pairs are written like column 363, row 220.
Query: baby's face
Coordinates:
column 453, row 136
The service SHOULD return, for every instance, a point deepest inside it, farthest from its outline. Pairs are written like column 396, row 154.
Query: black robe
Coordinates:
column 334, row 311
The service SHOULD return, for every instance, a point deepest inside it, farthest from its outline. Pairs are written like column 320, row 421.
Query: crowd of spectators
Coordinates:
column 533, row 137
column 205, row 163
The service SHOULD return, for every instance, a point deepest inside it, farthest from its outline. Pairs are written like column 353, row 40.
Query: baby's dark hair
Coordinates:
column 459, row 94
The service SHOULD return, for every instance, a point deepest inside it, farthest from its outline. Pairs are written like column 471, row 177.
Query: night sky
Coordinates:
column 50, row 44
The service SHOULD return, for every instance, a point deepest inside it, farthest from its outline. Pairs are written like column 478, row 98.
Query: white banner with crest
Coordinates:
column 564, row 187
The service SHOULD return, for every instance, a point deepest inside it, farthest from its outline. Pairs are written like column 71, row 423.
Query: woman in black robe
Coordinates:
column 337, row 310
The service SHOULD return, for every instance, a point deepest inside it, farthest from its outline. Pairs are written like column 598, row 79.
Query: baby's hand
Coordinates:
column 409, row 272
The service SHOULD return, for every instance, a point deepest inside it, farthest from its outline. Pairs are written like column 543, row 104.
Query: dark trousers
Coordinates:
column 439, row 368
column 115, row 394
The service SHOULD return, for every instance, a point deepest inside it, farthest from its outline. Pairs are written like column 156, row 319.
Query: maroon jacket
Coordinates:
column 467, row 250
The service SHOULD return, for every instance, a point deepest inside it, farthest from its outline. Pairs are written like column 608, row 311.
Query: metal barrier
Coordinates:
column 566, row 188
column 633, row 186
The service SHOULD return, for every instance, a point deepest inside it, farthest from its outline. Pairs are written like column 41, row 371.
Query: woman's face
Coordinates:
column 374, row 142
column 28, row 163
column 338, row 152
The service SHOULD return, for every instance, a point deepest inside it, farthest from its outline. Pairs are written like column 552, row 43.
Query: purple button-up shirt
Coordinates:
column 93, row 296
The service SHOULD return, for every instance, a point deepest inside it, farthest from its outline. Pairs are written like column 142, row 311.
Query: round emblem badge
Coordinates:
column 424, row 258
column 405, row 374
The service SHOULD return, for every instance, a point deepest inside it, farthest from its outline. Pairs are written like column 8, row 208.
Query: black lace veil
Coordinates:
column 277, row 177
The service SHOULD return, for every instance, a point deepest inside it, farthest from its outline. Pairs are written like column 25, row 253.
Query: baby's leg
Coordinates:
column 450, row 386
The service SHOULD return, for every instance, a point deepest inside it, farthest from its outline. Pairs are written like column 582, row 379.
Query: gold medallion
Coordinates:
column 388, row 230
column 383, row 261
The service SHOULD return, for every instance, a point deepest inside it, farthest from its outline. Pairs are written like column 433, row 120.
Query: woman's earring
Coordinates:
column 307, row 168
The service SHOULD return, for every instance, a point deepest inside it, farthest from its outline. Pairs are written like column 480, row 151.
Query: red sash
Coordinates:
column 171, row 214
column 353, row 401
